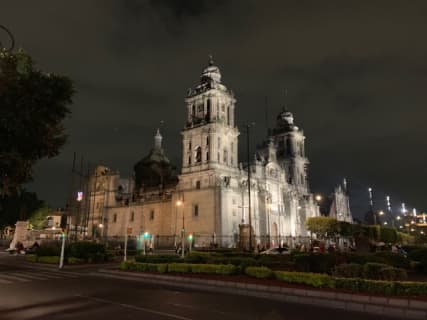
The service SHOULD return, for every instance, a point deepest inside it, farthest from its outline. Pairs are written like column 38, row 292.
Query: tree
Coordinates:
column 33, row 105
column 18, row 207
column 38, row 218
column 322, row 226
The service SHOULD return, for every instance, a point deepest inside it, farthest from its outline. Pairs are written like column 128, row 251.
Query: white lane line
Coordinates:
column 29, row 276
column 129, row 306
column 50, row 275
column 7, row 277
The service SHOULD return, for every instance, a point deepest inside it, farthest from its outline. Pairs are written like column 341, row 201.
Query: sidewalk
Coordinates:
column 401, row 308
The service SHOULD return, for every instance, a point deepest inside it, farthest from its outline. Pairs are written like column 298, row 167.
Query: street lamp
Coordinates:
column 318, row 198
column 178, row 203
column 249, row 184
column 269, row 205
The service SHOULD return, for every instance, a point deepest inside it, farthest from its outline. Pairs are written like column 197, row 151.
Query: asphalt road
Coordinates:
column 42, row 293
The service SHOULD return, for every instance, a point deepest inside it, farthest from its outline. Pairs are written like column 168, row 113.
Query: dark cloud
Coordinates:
column 354, row 71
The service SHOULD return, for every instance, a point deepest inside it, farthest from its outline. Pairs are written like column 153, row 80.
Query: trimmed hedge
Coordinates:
column 393, row 274
column 259, row 272
column 49, row 249
column 87, row 251
column 157, row 258
column 373, row 270
column 401, row 288
column 312, row 279
column 179, row 267
column 348, row 270
column 226, row 269
column 379, row 271
column 144, row 267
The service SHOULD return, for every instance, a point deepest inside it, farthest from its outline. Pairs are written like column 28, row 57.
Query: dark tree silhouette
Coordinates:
column 33, row 105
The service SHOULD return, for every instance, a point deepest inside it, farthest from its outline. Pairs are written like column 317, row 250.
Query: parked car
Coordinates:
column 277, row 250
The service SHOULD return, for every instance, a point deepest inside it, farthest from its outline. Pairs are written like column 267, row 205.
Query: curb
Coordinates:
column 401, row 308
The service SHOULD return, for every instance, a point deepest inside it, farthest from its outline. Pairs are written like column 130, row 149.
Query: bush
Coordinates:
column 393, row 259
column 49, row 249
column 259, row 272
column 143, row 267
column 73, row 260
column 179, row 267
column 419, row 255
column 48, row 259
column 348, row 270
column 410, row 288
column 157, row 258
column 372, row 270
column 312, row 279
column 214, row 269
column 393, row 274
column 317, row 262
column 87, row 251
column 276, row 261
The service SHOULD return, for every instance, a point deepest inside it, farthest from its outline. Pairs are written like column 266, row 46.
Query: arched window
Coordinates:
column 115, row 218
column 193, row 111
column 208, row 109
column 289, row 146
column 228, row 115
column 207, row 156
column 225, row 159
column 198, row 154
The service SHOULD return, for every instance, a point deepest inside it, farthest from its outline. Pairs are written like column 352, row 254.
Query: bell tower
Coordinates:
column 210, row 135
column 291, row 150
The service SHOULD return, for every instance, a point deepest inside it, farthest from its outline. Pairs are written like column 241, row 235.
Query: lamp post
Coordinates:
column 268, row 222
column 249, row 185
column 183, row 235
column 178, row 203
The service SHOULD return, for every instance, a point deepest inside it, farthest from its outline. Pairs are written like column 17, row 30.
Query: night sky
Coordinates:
column 355, row 73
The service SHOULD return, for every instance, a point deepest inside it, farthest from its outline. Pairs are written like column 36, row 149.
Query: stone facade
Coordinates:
column 340, row 204
column 209, row 198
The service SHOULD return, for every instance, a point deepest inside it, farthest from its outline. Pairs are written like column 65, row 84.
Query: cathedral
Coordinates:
column 215, row 197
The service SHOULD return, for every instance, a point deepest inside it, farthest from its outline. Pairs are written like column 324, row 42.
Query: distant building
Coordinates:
column 209, row 197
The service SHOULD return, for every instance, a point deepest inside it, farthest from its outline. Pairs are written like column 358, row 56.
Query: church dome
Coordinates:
column 155, row 169
column 285, row 121
column 211, row 72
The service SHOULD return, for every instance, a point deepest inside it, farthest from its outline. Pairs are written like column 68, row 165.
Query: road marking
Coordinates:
column 50, row 275
column 18, row 278
column 129, row 306
column 26, row 275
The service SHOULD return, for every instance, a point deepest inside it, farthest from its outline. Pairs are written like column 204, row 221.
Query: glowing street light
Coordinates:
column 318, row 197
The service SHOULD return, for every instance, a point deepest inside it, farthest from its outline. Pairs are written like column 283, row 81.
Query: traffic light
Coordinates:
column 146, row 235
column 62, row 235
column 190, row 237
